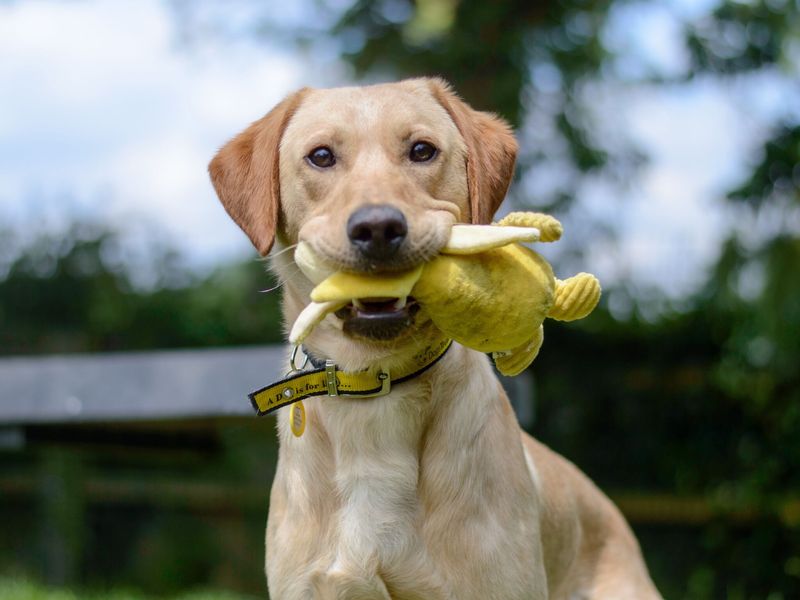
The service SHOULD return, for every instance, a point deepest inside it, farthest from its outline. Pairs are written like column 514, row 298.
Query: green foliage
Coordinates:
column 776, row 177
column 20, row 589
column 657, row 407
column 63, row 294
column 752, row 303
column 743, row 36
column 160, row 508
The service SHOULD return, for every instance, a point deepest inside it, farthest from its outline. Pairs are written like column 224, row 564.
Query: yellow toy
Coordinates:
column 484, row 290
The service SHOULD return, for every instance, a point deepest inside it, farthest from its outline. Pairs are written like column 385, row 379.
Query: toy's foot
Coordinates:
column 550, row 229
column 513, row 362
column 575, row 297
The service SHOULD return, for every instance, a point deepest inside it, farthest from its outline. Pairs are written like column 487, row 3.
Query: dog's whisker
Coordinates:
column 276, row 254
column 283, row 282
column 272, row 289
column 268, row 257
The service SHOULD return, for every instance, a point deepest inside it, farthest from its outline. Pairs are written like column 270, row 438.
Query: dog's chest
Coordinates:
column 390, row 505
column 370, row 525
column 375, row 450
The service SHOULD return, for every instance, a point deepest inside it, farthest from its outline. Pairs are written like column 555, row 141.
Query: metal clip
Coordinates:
column 386, row 384
column 330, row 378
column 333, row 386
column 294, row 368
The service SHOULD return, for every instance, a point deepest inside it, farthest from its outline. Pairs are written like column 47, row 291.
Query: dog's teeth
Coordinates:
column 358, row 304
column 400, row 303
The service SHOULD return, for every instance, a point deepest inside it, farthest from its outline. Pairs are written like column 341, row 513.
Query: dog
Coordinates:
column 432, row 491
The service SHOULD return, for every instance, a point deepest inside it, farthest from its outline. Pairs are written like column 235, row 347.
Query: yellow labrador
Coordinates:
column 431, row 491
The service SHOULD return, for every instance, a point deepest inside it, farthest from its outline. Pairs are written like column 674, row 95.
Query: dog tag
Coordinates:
column 297, row 418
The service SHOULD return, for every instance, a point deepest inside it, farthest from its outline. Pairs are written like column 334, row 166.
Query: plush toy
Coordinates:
column 485, row 290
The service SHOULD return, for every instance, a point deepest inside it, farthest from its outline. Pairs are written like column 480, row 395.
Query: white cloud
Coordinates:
column 673, row 219
column 647, row 37
column 107, row 107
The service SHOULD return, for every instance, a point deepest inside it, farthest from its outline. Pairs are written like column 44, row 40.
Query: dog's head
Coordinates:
column 372, row 178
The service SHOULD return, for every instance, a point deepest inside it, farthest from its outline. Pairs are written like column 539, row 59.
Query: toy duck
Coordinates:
column 484, row 290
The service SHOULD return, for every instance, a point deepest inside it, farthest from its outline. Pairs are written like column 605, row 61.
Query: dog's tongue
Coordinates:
column 342, row 287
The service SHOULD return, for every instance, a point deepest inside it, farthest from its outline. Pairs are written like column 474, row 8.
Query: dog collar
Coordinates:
column 328, row 380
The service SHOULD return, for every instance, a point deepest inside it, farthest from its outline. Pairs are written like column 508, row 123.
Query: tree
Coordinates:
column 64, row 293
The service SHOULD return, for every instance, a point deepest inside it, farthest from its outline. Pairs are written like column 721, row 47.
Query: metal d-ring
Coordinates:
column 293, row 357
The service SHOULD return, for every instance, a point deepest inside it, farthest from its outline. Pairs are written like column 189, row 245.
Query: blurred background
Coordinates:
column 664, row 134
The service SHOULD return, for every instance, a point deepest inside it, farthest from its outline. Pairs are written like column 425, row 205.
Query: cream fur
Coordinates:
column 431, row 492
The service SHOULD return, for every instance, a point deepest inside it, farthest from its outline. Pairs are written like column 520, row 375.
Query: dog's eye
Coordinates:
column 321, row 157
column 422, row 152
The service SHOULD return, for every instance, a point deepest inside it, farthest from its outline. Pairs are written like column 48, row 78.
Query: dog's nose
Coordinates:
column 377, row 230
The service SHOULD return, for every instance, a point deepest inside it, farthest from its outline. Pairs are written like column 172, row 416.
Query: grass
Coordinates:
column 23, row 589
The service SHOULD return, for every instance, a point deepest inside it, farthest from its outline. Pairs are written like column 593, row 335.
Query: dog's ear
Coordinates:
column 245, row 174
column 491, row 151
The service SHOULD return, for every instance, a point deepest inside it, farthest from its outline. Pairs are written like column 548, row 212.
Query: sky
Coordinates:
column 110, row 112
column 111, row 118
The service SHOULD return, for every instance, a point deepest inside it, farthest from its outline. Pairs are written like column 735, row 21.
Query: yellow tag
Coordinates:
column 297, row 418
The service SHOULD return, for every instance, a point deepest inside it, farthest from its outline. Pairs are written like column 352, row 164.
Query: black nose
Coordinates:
column 377, row 230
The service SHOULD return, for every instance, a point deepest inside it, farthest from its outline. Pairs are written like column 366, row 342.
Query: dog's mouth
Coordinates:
column 378, row 318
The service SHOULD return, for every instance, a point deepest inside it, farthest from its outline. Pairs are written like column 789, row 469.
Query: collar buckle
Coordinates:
column 333, row 384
